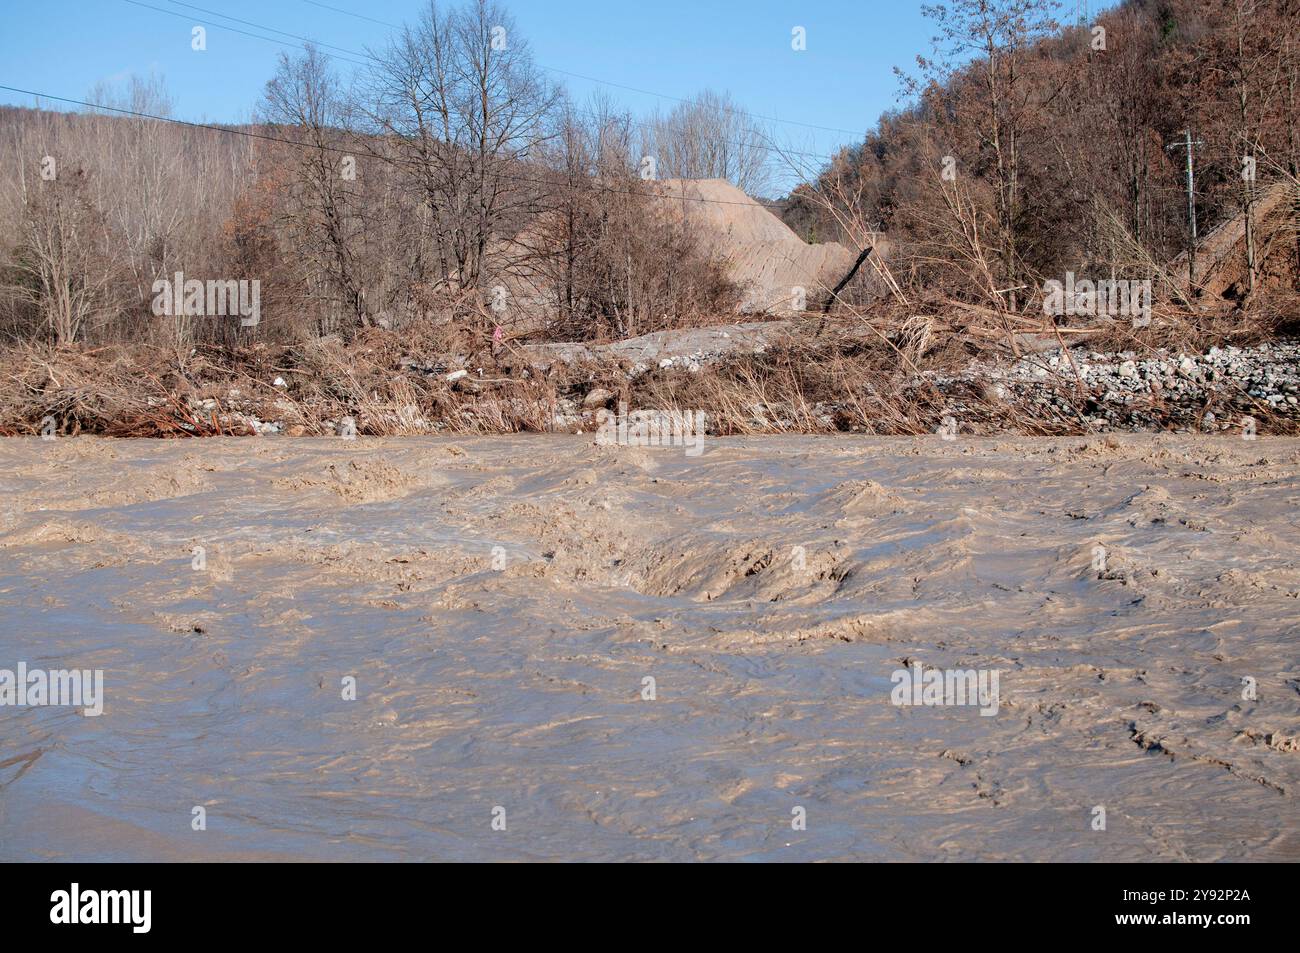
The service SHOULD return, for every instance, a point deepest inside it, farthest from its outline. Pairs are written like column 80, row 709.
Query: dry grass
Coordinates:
column 115, row 391
column 834, row 386
column 390, row 383
column 852, row 373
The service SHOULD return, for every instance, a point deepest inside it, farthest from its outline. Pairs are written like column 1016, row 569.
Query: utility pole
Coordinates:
column 1189, row 145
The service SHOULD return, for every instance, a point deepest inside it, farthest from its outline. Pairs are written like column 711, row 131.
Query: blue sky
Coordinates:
column 844, row 80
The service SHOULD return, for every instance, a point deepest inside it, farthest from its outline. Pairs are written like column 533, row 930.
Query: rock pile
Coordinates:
column 1132, row 391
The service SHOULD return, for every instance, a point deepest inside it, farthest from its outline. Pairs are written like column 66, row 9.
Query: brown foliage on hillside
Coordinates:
column 1032, row 149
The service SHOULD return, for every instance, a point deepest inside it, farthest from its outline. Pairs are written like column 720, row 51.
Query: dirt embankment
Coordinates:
column 765, row 377
column 773, row 266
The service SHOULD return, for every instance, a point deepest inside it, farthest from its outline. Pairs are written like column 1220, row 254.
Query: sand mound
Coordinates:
column 759, row 251
column 763, row 255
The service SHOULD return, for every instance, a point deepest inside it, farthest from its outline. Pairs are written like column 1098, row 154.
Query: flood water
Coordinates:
column 391, row 649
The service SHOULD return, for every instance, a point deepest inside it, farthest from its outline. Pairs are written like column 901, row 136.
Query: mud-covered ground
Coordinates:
column 501, row 602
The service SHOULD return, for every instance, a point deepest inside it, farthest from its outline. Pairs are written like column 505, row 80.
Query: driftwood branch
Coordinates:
column 835, row 292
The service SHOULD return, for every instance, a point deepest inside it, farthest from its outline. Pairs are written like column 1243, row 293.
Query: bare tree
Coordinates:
column 303, row 101
column 710, row 137
column 1247, row 61
column 1001, row 34
column 456, row 105
column 65, row 258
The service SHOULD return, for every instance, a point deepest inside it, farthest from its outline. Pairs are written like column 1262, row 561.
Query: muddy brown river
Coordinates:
column 533, row 647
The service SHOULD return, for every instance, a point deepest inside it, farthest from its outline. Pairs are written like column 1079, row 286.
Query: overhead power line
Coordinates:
column 602, row 82
column 347, row 55
column 222, row 26
column 552, row 69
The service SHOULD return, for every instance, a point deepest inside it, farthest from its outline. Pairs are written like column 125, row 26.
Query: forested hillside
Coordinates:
column 1030, row 148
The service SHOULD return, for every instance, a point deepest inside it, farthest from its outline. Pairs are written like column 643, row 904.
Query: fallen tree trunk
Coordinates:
column 835, row 292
